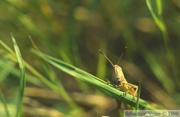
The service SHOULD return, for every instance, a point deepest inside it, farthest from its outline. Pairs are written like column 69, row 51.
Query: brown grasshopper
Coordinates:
column 120, row 81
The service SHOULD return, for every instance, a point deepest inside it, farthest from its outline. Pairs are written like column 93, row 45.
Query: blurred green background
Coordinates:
column 74, row 31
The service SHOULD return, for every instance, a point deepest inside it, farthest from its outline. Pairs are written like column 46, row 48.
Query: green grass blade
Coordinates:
column 158, row 18
column 2, row 99
column 159, row 7
column 22, row 79
column 155, row 17
column 93, row 80
column 6, row 47
column 159, row 21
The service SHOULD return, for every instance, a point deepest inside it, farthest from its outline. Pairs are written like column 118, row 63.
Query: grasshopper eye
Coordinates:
column 118, row 81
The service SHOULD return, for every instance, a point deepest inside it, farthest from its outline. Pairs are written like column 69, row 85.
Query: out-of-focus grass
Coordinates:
column 53, row 84
column 73, row 31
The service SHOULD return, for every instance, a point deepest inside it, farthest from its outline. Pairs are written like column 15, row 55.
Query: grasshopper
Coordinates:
column 120, row 81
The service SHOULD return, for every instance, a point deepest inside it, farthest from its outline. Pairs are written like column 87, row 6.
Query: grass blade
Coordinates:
column 158, row 18
column 22, row 78
column 93, row 80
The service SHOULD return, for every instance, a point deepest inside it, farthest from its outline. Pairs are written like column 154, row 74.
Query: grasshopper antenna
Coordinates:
column 106, row 57
column 122, row 54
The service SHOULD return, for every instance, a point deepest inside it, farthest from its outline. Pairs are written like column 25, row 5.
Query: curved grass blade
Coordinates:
column 93, row 80
column 158, row 18
column 22, row 78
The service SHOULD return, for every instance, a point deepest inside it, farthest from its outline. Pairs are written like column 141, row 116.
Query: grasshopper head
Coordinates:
column 119, row 76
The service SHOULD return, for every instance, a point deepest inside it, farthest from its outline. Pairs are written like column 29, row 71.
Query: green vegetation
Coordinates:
column 55, row 68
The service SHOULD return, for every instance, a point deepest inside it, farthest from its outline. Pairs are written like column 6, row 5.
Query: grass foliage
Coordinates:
column 72, row 72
